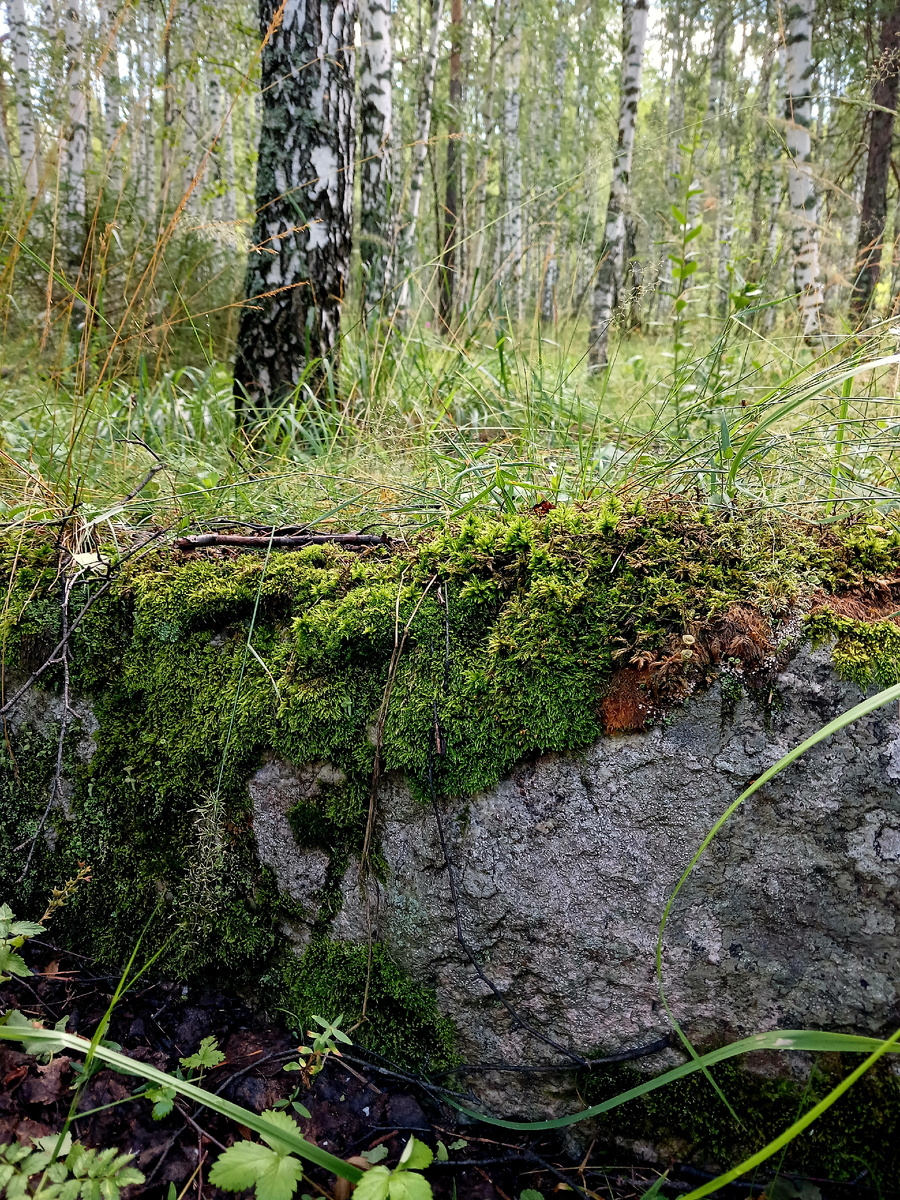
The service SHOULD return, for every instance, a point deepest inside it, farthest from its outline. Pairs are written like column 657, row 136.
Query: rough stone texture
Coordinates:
column 275, row 788
column 789, row 920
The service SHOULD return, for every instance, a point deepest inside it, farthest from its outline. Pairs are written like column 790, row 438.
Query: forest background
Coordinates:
column 499, row 250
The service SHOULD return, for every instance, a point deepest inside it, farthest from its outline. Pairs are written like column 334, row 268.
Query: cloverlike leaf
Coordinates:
column 409, row 1186
column 416, row 1156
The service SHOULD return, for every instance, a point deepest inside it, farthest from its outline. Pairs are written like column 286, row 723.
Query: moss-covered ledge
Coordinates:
column 556, row 628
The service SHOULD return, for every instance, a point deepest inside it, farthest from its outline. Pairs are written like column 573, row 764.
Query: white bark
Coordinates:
column 512, row 106
column 484, row 151
column 549, row 310
column 609, row 275
column 74, row 147
column 21, row 73
column 801, row 184
column 420, row 149
column 147, row 142
column 190, row 122
column 376, row 132
column 109, row 68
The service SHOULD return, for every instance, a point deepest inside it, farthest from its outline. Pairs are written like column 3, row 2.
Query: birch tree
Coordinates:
column 449, row 251
column 483, row 153
column 881, row 133
column 73, row 159
column 109, row 68
column 801, row 184
column 21, row 73
column 376, row 133
column 551, row 274
column 298, row 266
column 512, row 153
column 420, row 149
column 609, row 275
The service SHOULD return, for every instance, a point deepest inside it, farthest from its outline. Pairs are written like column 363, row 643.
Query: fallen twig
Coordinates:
column 286, row 542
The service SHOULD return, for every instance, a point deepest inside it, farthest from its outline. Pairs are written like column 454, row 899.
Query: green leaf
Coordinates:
column 689, row 268
column 692, row 233
column 416, row 1156
column 172, row 1193
column 165, row 1101
column 25, row 929
column 284, row 1122
column 49, row 1140
column 209, row 1055
column 442, row 1155
column 12, row 963
column 679, row 215
column 373, row 1185
column 653, row 1190
column 377, row 1154
column 239, row 1167
column 280, row 1181
column 459, row 1144
column 531, row 1194
column 6, row 919
column 409, row 1186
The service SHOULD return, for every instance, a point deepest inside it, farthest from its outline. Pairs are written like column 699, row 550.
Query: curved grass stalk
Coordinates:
column 38, row 1040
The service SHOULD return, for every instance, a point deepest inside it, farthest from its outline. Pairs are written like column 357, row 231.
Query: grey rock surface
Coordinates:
column 789, row 920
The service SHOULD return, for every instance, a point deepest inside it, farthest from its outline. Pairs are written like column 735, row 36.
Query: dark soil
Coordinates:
column 356, row 1103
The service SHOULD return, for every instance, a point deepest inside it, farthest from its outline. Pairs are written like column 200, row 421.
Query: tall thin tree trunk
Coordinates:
column 299, row 264
column 484, row 151
column 801, row 184
column 420, row 149
column 75, row 145
column 609, row 274
column 549, row 310
column 451, row 193
column 376, row 133
column 190, row 115
column 111, row 94
column 674, row 134
column 21, row 73
column 874, row 202
column 512, row 108
column 147, row 166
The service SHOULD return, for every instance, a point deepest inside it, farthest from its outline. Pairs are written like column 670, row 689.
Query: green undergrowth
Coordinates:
column 858, row 1137
column 540, row 609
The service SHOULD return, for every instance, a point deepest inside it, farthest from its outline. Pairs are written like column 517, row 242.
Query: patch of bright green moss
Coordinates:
column 537, row 610
column 868, row 653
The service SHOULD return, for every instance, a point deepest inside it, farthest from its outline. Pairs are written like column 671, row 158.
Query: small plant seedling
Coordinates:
column 57, row 1168
column 324, row 1043
column 378, row 1154
column 13, row 935
column 295, row 1104
column 206, row 1058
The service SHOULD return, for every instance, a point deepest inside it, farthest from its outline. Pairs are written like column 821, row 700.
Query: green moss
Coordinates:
column 401, row 1022
column 688, row 1120
column 539, row 612
column 868, row 653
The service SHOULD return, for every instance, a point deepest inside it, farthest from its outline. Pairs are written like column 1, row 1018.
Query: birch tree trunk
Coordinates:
column 801, row 184
column 512, row 107
column 674, row 134
column 420, row 149
column 484, row 151
column 111, row 93
column 451, row 193
column 73, row 163
column 874, row 202
column 190, row 116
column 549, row 310
column 376, row 133
column 609, row 275
column 21, row 73
column 299, row 264
column 147, row 142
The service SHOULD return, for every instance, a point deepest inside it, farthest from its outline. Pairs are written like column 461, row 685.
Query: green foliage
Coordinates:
column 541, row 608
column 868, row 653
column 402, row 1183
column 324, row 1043
column 57, row 1169
column 13, row 935
column 206, row 1058
column 270, row 1169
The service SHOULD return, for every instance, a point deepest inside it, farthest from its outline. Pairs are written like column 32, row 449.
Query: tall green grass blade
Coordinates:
column 35, row 1036
column 786, row 1039
column 792, row 1131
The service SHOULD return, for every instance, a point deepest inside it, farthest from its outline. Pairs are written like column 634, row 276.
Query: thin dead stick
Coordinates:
column 295, row 542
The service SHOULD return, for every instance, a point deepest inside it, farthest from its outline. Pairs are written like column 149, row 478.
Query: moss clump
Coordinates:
column 867, row 653
column 401, row 1022
column 687, row 1118
column 538, row 612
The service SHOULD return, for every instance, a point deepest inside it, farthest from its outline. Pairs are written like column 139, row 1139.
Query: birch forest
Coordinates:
column 297, row 191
